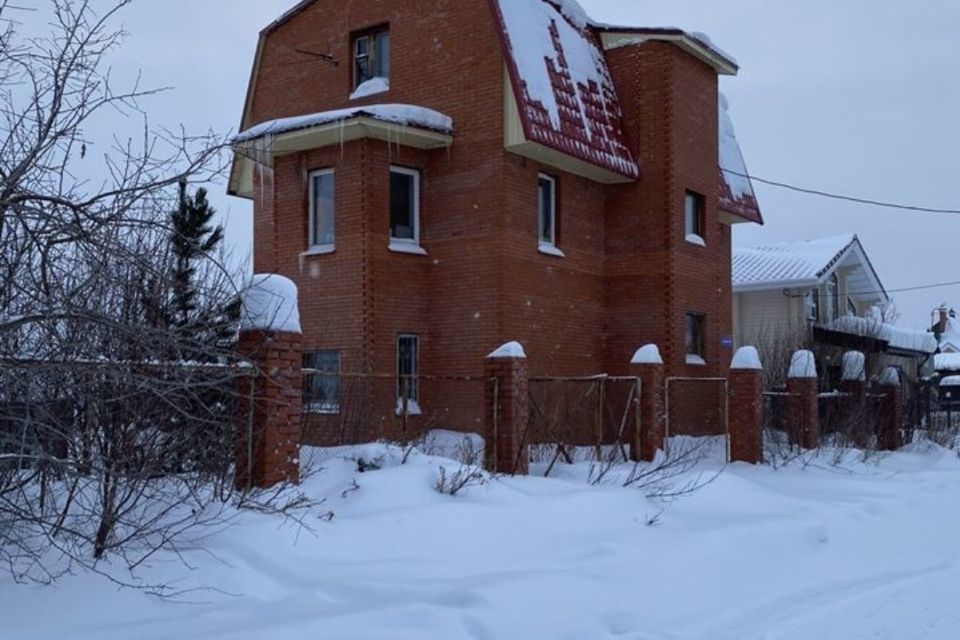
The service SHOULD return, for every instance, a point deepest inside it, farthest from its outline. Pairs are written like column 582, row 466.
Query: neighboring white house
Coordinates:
column 822, row 293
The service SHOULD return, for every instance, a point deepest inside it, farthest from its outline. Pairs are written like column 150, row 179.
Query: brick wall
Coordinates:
column 628, row 277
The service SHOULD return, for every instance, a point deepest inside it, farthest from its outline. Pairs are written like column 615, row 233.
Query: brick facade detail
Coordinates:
column 653, row 427
column 802, row 413
column 628, row 277
column 506, row 415
column 268, row 426
column 746, row 416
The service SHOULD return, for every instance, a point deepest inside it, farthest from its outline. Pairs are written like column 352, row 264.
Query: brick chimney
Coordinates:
column 941, row 326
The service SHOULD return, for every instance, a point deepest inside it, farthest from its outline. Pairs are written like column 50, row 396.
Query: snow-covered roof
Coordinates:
column 946, row 362
column 565, row 94
column 950, row 338
column 401, row 114
column 790, row 265
column 736, row 191
column 900, row 338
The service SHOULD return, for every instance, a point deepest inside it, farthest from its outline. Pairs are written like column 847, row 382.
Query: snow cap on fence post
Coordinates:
column 803, row 365
column 511, row 350
column 854, row 367
column 746, row 359
column 270, row 304
column 889, row 378
column 649, row 354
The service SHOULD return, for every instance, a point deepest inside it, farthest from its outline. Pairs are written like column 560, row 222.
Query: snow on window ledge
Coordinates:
column 371, row 87
column 413, row 407
column 550, row 250
column 695, row 360
column 321, row 408
column 697, row 240
column 319, row 250
column 406, row 246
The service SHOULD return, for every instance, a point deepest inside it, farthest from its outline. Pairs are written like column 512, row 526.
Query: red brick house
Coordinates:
column 442, row 176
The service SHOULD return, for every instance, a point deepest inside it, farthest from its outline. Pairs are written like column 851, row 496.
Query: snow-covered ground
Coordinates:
column 860, row 550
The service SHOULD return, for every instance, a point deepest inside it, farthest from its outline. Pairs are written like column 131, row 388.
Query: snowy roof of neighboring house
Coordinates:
column 899, row 338
column 565, row 94
column 736, row 190
column 795, row 265
column 950, row 338
column 946, row 362
column 401, row 114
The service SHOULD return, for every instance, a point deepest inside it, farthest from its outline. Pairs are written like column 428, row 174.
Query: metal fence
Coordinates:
column 353, row 408
column 573, row 419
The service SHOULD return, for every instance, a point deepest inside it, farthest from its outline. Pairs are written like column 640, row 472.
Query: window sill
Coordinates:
column 696, row 240
column 413, row 407
column 321, row 409
column 696, row 361
column 400, row 246
column 550, row 250
column 373, row 86
column 319, row 250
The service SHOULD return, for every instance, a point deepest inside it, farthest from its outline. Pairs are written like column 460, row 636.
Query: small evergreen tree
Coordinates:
column 193, row 237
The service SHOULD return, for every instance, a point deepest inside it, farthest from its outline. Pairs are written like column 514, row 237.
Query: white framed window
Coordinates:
column 405, row 210
column 321, row 383
column 547, row 215
column 322, row 212
column 811, row 305
column 371, row 56
column 833, row 298
column 408, row 370
column 693, row 218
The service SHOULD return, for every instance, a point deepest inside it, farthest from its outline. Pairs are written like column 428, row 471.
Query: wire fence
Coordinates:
column 577, row 419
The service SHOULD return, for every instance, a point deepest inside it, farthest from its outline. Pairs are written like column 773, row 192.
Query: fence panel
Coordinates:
column 354, row 408
column 573, row 419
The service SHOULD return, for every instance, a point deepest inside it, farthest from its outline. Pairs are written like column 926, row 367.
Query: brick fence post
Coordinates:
column 269, row 427
column 746, row 407
column 647, row 365
column 853, row 384
column 507, row 410
column 888, row 435
column 803, row 412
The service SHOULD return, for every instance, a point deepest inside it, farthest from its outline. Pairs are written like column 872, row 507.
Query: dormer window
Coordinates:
column 371, row 55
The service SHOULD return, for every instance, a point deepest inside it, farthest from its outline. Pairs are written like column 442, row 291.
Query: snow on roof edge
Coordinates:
column 402, row 114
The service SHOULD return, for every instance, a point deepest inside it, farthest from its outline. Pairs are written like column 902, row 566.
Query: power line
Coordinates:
column 845, row 198
column 922, row 287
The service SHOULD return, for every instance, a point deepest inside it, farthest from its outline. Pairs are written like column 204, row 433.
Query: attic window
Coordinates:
column 371, row 55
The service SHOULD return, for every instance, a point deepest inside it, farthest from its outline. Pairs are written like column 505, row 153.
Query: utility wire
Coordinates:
column 923, row 287
column 836, row 196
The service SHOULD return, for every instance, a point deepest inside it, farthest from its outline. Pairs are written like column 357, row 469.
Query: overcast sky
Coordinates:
column 858, row 97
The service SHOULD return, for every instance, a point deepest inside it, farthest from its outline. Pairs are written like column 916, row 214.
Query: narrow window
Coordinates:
column 693, row 215
column 404, row 205
column 321, row 224
column 321, row 382
column 851, row 307
column 811, row 303
column 547, row 210
column 408, row 365
column 371, row 56
column 833, row 298
column 694, row 339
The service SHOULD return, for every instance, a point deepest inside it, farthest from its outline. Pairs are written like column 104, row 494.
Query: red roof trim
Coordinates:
column 570, row 140
column 745, row 207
